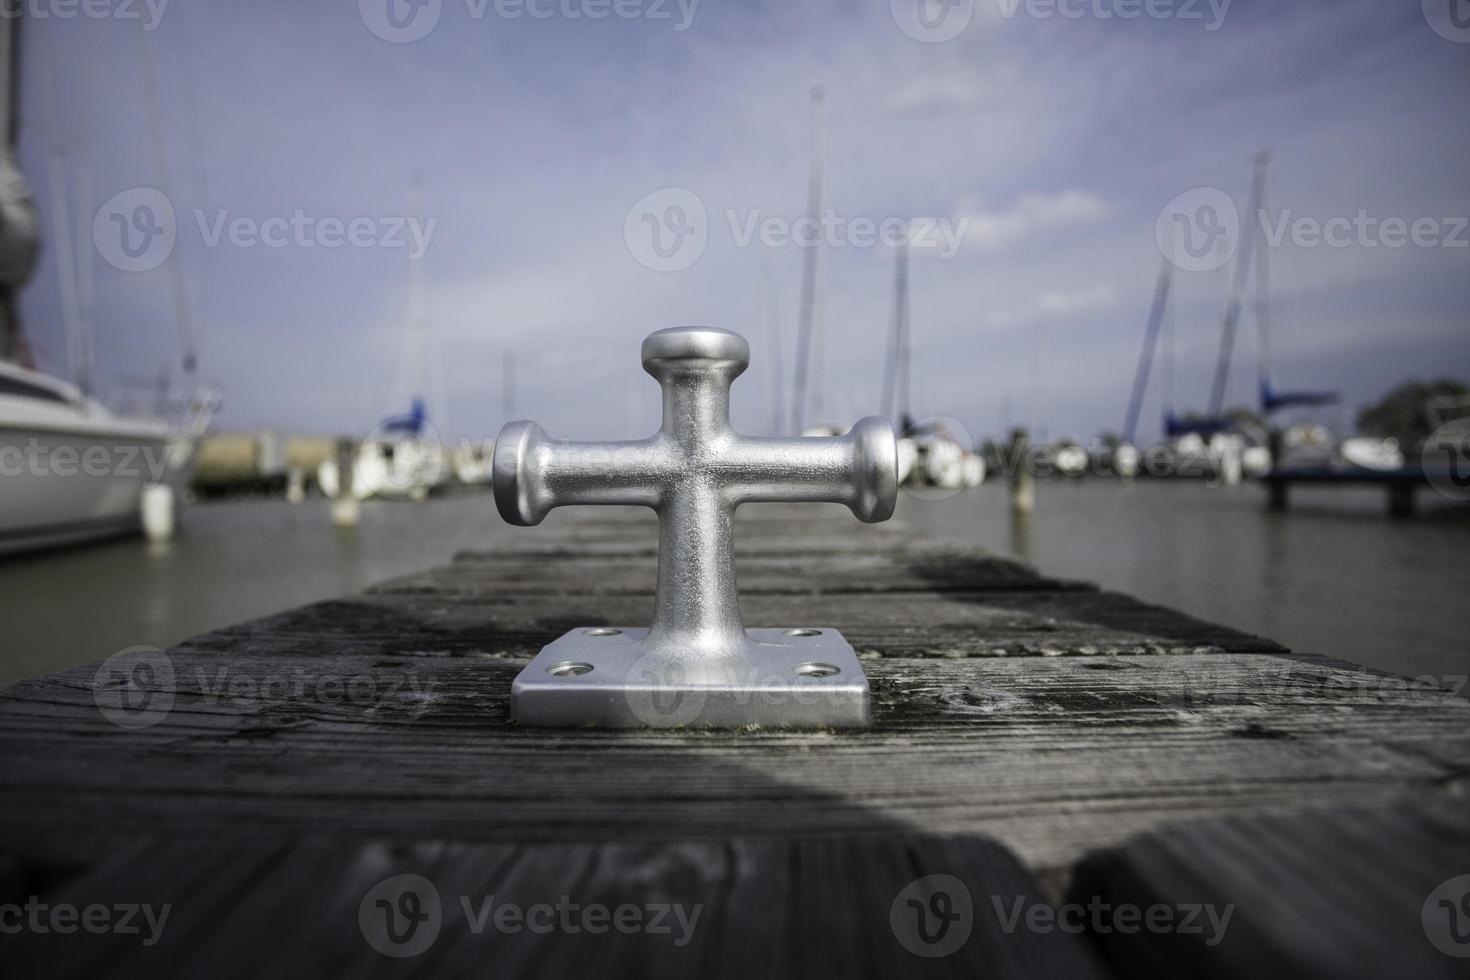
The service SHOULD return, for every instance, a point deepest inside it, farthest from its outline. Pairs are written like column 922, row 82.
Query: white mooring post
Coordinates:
column 344, row 504
column 696, row 665
column 156, row 508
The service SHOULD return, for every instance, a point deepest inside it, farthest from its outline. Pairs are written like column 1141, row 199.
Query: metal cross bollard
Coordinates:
column 696, row 665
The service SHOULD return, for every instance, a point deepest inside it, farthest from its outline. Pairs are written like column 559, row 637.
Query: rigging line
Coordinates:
column 178, row 287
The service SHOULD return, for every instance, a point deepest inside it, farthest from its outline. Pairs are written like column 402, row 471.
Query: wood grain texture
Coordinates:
column 1331, row 894
column 1045, row 718
column 779, row 908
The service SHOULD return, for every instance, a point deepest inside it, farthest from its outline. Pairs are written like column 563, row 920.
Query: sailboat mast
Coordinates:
column 508, row 385
column 160, row 163
column 1248, row 225
column 896, row 371
column 776, row 376
column 1263, row 278
column 61, row 228
column 418, row 363
column 808, row 270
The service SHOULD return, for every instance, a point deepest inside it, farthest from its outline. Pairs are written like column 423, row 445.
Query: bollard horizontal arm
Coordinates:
column 533, row 473
column 859, row 469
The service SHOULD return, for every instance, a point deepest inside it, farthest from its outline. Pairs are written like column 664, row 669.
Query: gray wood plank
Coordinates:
column 738, row 908
column 1335, row 894
column 1050, row 756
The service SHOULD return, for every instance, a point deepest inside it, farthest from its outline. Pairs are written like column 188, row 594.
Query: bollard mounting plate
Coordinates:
column 780, row 678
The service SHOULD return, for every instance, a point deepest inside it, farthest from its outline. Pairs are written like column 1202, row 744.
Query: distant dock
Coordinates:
column 1401, row 485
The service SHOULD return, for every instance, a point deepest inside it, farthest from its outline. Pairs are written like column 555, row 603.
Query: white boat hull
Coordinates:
column 59, row 488
column 70, row 471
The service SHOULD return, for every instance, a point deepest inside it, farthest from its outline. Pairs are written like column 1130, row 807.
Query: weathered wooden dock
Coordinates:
column 1040, row 741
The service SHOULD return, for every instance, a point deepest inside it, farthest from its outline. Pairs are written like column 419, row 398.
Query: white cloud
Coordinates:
column 1035, row 214
column 1056, row 304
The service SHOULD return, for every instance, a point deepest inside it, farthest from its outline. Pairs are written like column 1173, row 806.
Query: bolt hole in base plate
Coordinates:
column 605, row 677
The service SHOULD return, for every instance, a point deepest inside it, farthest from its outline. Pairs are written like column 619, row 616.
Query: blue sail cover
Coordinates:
column 411, row 424
column 1204, row 428
column 1274, row 401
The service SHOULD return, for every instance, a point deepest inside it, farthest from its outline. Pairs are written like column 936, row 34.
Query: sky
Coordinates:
column 1050, row 140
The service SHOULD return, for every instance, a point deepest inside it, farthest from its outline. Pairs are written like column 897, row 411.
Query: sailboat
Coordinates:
column 1308, row 442
column 402, row 458
column 930, row 456
column 70, row 469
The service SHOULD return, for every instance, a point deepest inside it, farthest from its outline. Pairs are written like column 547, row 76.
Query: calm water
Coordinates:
column 1334, row 576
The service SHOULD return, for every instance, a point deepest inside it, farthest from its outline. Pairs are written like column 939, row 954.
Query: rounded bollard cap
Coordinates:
column 695, row 343
column 877, row 470
column 512, row 480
